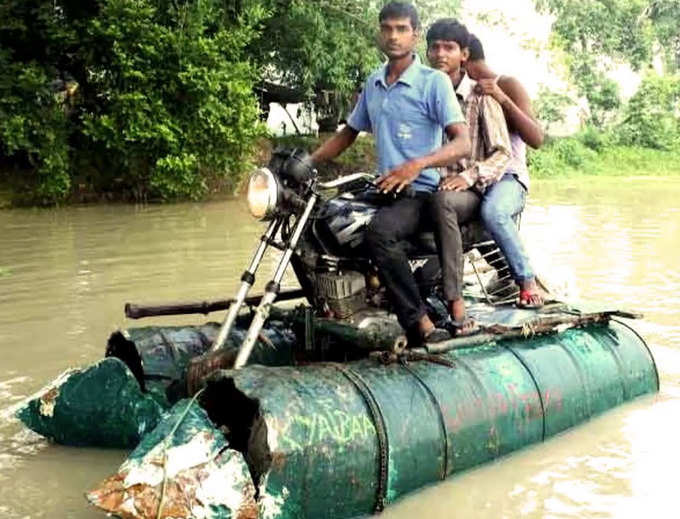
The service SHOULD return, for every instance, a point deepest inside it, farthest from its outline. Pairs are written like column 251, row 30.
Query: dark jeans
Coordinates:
column 384, row 238
column 450, row 209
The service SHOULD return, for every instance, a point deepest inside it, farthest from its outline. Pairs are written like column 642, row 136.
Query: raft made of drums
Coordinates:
column 340, row 440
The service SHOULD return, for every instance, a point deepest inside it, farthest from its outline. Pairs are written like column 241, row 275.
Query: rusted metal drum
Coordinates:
column 158, row 356
column 342, row 440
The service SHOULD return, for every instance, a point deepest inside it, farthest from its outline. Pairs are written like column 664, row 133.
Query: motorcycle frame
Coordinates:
column 247, row 281
column 274, row 286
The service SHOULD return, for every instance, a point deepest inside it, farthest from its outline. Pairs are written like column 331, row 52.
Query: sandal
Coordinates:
column 464, row 328
column 416, row 339
column 530, row 300
column 437, row 335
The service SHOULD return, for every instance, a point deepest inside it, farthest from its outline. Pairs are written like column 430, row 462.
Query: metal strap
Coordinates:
column 380, row 429
column 533, row 378
column 440, row 414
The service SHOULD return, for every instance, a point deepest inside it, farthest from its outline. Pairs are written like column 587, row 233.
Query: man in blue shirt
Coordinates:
column 408, row 107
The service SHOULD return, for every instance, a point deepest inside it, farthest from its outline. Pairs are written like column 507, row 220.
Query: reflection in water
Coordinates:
column 68, row 272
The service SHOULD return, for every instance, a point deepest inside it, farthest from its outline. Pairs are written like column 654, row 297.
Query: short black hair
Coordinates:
column 476, row 49
column 448, row 29
column 400, row 10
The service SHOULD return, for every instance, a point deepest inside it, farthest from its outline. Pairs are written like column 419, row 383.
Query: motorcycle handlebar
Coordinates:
column 347, row 179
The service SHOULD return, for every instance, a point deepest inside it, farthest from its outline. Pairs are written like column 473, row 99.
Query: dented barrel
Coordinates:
column 342, row 440
column 158, row 356
column 116, row 401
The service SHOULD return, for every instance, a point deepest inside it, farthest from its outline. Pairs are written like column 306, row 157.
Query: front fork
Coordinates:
column 247, row 281
column 273, row 287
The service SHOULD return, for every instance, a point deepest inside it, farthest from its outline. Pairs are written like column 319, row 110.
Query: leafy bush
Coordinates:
column 595, row 139
column 569, row 157
column 651, row 118
column 153, row 97
column 551, row 107
column 33, row 128
column 560, row 157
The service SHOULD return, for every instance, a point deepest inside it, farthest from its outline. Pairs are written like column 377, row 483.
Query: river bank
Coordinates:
column 569, row 157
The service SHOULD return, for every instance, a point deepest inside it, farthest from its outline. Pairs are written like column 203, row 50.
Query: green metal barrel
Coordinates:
column 342, row 440
column 158, row 356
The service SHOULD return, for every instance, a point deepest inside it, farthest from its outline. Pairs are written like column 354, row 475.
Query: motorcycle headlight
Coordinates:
column 263, row 194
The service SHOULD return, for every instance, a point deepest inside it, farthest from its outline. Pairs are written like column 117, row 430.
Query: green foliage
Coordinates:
column 560, row 155
column 651, row 118
column 602, row 94
column 664, row 16
column 154, row 95
column 596, row 139
column 551, row 106
column 326, row 48
column 573, row 157
column 594, row 34
column 615, row 28
column 33, row 125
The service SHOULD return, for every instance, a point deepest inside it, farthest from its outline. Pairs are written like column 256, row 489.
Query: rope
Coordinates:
column 381, row 431
column 166, row 440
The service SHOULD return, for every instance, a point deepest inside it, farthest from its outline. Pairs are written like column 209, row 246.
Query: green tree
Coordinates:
column 594, row 33
column 664, row 16
column 551, row 106
column 651, row 118
column 153, row 97
column 326, row 48
column 33, row 122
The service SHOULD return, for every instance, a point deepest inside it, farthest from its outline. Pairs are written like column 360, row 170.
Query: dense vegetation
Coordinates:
column 157, row 99
column 148, row 98
column 640, row 136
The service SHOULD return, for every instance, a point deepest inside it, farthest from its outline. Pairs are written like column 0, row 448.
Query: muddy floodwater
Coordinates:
column 66, row 273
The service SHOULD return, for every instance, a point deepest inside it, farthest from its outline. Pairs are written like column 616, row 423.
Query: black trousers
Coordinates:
column 450, row 210
column 391, row 225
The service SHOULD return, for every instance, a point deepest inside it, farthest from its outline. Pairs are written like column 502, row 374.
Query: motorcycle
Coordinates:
column 319, row 226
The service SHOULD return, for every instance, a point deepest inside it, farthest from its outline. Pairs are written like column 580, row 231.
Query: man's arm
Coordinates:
column 335, row 145
column 497, row 154
column 516, row 104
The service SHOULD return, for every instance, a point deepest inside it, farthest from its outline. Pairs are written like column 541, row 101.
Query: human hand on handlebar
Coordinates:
column 400, row 177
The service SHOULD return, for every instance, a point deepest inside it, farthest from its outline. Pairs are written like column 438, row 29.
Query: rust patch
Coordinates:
column 182, row 497
column 48, row 401
column 248, row 511
column 278, row 460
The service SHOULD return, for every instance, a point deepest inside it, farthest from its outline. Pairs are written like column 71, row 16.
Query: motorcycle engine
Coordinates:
column 343, row 293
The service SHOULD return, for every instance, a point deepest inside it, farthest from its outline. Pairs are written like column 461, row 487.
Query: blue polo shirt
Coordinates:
column 408, row 117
